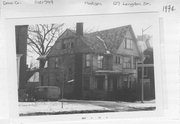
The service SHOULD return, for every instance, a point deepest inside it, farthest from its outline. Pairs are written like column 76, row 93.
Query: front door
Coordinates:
column 100, row 82
column 112, row 83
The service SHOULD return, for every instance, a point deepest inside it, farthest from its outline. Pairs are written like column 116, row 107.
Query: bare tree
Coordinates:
column 41, row 38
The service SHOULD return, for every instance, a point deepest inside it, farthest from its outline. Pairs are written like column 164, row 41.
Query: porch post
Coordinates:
column 106, row 82
column 132, row 61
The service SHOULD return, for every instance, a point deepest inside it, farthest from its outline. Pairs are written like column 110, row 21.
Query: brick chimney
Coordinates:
column 79, row 28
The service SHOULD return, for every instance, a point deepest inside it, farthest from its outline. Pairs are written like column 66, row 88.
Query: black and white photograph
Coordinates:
column 87, row 64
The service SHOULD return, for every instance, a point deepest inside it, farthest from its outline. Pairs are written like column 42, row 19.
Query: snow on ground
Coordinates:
column 50, row 107
column 82, row 106
column 138, row 104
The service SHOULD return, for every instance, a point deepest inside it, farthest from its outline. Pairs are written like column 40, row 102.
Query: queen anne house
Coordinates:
column 98, row 65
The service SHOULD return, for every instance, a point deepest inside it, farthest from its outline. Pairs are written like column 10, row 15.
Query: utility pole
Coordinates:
column 142, row 74
column 62, row 89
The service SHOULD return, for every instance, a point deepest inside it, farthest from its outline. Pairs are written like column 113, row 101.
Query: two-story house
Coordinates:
column 94, row 65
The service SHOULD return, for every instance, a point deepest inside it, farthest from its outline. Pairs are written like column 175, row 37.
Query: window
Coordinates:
column 118, row 60
column 46, row 64
column 86, row 83
column 128, row 82
column 127, row 62
column 100, row 83
column 100, row 61
column 146, row 72
column 70, row 73
column 128, row 44
column 88, row 60
column 42, row 80
column 125, row 82
column 119, row 82
column 63, row 45
column 111, row 86
column 67, row 44
column 72, row 44
column 56, row 62
column 134, row 62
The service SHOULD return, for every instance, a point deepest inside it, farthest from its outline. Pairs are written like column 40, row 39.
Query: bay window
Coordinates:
column 127, row 62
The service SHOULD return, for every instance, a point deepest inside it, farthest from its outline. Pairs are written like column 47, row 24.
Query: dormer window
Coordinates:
column 128, row 43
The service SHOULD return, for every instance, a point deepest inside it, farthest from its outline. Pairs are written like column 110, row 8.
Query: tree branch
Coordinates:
column 34, row 44
column 42, row 36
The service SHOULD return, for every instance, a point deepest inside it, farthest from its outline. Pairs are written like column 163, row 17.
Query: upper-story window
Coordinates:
column 67, row 44
column 134, row 62
column 128, row 43
column 46, row 64
column 100, row 61
column 70, row 73
column 127, row 62
column 56, row 62
column 88, row 60
column 118, row 59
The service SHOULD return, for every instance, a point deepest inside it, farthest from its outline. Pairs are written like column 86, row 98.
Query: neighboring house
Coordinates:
column 96, row 65
column 21, row 51
column 148, row 81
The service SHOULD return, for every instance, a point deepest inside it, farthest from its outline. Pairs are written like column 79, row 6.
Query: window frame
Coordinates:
column 128, row 43
column 100, row 59
column 70, row 73
column 86, row 82
column 87, row 60
column 146, row 72
column 127, row 64
column 56, row 62
column 134, row 62
column 67, row 44
column 118, row 59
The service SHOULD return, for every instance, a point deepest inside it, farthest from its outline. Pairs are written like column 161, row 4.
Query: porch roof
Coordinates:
column 108, row 71
column 113, row 72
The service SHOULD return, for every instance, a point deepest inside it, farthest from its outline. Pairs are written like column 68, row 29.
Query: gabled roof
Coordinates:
column 112, row 38
column 105, row 41
column 57, row 42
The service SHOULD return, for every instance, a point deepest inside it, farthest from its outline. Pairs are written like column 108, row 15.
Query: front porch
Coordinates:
column 110, row 85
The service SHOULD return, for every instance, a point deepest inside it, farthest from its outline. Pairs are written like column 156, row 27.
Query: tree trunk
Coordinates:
column 42, row 63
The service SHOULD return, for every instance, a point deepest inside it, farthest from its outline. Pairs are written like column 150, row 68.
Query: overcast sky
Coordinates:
column 100, row 22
